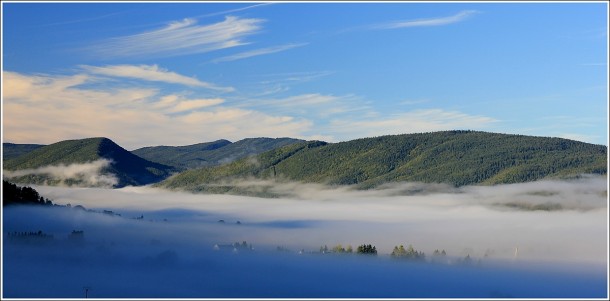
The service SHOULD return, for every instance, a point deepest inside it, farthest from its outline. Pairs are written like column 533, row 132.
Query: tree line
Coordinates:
column 13, row 194
column 399, row 252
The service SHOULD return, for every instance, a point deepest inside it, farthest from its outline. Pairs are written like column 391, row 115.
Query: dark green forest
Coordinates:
column 453, row 157
column 13, row 195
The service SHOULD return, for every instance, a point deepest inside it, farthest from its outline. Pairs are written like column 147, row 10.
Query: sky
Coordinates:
column 145, row 74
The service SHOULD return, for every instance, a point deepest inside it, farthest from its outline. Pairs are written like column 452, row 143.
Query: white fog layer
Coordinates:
column 539, row 239
column 89, row 174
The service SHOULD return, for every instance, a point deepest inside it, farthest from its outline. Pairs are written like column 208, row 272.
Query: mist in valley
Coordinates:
column 544, row 239
column 76, row 174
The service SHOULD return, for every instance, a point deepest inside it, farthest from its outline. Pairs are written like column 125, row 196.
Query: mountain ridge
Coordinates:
column 454, row 157
column 14, row 150
column 128, row 168
column 210, row 153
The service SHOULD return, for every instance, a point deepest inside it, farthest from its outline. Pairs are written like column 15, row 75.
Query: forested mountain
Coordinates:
column 454, row 157
column 12, row 150
column 128, row 168
column 210, row 153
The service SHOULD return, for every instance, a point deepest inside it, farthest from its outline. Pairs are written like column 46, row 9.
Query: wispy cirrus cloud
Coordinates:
column 180, row 38
column 425, row 120
column 410, row 102
column 282, row 82
column 295, row 76
column 311, row 105
column 313, row 99
column 257, row 52
column 152, row 73
column 176, row 104
column 234, row 10
column 461, row 16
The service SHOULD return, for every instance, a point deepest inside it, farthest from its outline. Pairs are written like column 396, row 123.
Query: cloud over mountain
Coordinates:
column 86, row 174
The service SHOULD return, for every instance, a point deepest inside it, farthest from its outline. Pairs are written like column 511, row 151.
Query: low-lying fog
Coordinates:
column 543, row 239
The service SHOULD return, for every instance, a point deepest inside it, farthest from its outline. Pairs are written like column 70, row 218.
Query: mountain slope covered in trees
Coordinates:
column 180, row 156
column 454, row 157
column 127, row 168
column 13, row 150
column 211, row 153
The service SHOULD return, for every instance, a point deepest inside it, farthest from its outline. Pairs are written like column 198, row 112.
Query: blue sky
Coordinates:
column 182, row 73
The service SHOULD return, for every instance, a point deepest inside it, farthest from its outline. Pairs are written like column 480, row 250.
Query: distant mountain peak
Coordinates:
column 210, row 153
column 128, row 168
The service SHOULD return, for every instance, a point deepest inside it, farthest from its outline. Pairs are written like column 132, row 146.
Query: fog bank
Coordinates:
column 472, row 220
column 85, row 174
column 162, row 243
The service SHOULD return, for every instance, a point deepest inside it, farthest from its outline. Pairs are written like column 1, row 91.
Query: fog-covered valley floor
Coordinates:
column 545, row 239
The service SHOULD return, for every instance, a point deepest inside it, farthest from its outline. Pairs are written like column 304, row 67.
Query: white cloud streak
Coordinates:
column 175, row 104
column 302, row 100
column 257, row 52
column 295, row 77
column 311, row 104
column 152, row 73
column 461, row 16
column 281, row 82
column 180, row 38
column 233, row 10
column 87, row 174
